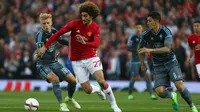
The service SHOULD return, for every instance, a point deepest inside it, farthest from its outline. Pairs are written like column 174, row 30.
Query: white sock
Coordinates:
column 95, row 88
column 110, row 96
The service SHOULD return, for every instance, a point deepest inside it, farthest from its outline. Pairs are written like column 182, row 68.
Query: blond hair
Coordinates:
column 44, row 16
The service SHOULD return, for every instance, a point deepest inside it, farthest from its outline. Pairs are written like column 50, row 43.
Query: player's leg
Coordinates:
column 66, row 75
column 94, row 66
column 176, row 77
column 134, row 71
column 198, row 69
column 99, row 76
column 162, row 80
column 82, row 75
column 50, row 77
column 147, row 76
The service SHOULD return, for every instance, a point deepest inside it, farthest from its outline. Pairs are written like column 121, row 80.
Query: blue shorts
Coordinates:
column 55, row 67
column 165, row 73
column 135, row 69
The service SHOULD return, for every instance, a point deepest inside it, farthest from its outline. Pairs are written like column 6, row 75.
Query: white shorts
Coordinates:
column 198, row 69
column 83, row 68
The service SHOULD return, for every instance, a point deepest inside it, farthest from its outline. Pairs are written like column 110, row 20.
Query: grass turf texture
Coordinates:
column 14, row 102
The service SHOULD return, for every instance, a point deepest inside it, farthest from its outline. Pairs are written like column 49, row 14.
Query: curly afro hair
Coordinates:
column 90, row 8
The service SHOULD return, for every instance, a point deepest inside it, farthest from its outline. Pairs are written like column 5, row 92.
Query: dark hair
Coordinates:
column 138, row 23
column 196, row 21
column 90, row 8
column 155, row 16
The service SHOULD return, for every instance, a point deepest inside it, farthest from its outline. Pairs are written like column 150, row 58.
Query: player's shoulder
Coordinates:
column 146, row 32
column 53, row 30
column 192, row 35
column 166, row 30
column 77, row 21
column 132, row 35
column 39, row 34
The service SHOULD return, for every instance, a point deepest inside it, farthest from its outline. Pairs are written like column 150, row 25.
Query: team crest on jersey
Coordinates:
column 78, row 31
column 89, row 33
column 193, row 42
column 152, row 38
column 137, row 39
column 160, row 37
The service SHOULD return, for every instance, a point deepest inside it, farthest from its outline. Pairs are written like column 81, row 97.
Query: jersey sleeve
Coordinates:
column 168, row 39
column 190, row 41
column 130, row 43
column 96, row 39
column 38, row 39
column 143, row 41
column 68, row 27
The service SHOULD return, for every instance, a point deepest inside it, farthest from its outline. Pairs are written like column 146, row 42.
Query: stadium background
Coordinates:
column 19, row 24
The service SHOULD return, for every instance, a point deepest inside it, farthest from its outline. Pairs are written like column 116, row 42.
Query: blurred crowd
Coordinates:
column 19, row 24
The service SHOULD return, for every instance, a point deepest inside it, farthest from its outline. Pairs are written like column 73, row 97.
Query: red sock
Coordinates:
column 105, row 87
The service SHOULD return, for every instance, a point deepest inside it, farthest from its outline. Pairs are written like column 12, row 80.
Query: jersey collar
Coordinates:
column 156, row 33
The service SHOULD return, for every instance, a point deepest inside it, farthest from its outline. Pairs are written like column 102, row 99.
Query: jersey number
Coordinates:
column 97, row 63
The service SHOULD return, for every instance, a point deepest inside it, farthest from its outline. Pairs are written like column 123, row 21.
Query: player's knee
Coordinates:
column 101, row 82
column 179, row 85
column 53, row 78
column 88, row 90
column 159, row 91
column 133, row 78
column 72, row 81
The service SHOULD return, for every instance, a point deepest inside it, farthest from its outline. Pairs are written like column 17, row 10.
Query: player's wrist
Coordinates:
column 152, row 50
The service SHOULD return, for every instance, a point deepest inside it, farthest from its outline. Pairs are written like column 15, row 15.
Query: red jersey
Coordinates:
column 193, row 40
column 77, row 50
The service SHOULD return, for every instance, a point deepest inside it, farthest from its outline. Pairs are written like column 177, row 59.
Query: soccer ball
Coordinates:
column 31, row 104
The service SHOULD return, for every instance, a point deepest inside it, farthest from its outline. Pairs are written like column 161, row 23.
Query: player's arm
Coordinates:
column 96, row 39
column 63, row 41
column 129, row 43
column 165, row 49
column 54, row 37
column 191, row 46
column 142, row 55
column 167, row 44
column 60, row 32
column 142, row 44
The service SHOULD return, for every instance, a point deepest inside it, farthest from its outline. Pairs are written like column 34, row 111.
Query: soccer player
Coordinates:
column 194, row 44
column 134, row 67
column 50, row 69
column 83, row 43
column 158, row 41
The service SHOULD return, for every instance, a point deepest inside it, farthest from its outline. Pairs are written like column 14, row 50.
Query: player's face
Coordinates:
column 46, row 24
column 196, row 27
column 151, row 23
column 139, row 29
column 86, row 18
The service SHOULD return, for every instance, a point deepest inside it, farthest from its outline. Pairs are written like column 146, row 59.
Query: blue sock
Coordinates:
column 131, row 85
column 149, row 87
column 71, row 89
column 57, row 91
column 186, row 96
column 166, row 94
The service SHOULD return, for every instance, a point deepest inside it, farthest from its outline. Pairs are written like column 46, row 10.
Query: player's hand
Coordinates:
column 41, row 51
column 144, row 50
column 143, row 68
column 197, row 46
column 81, row 39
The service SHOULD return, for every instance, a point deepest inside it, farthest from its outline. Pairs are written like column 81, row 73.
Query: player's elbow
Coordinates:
column 167, row 50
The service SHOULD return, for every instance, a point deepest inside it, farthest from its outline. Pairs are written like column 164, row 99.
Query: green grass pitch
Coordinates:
column 14, row 102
